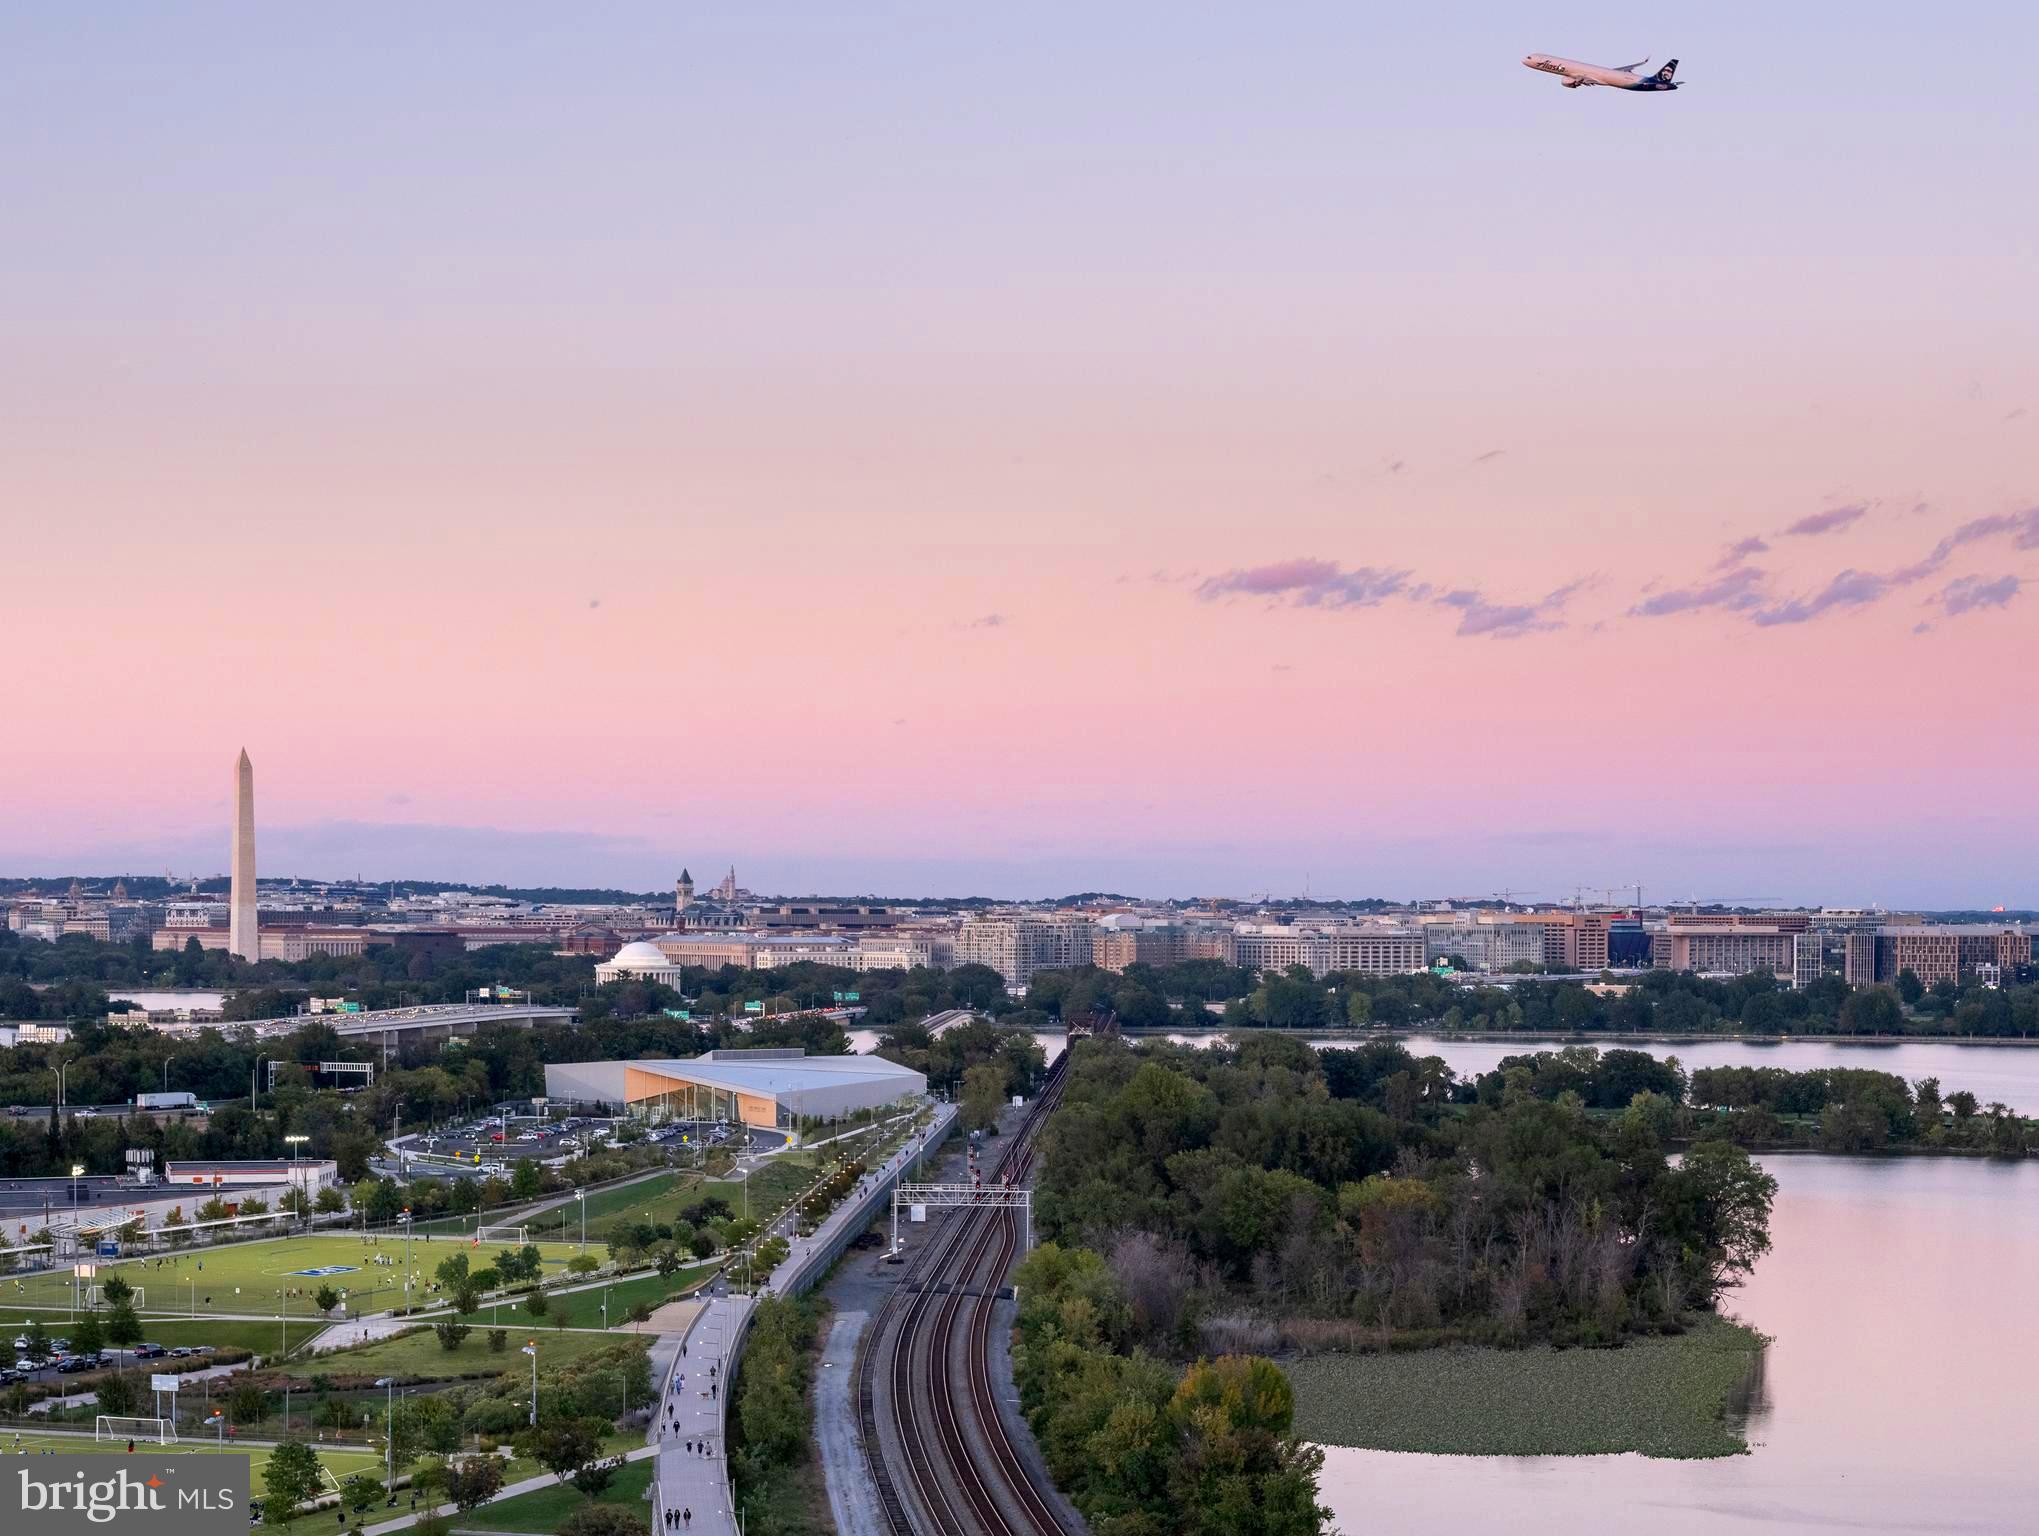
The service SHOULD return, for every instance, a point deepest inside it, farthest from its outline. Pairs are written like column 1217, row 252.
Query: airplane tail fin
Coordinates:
column 1667, row 73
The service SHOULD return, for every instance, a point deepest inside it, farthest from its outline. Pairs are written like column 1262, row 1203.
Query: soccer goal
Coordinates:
column 114, row 1426
column 95, row 1296
column 518, row 1235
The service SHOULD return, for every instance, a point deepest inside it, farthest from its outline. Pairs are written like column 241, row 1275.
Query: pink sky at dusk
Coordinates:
column 637, row 479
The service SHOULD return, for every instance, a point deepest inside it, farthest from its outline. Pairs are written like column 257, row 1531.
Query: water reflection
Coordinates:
column 1896, row 1395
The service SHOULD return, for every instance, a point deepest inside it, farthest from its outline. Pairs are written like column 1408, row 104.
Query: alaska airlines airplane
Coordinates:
column 1622, row 77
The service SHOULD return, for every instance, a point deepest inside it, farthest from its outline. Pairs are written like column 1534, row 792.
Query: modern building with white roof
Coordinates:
column 777, row 1088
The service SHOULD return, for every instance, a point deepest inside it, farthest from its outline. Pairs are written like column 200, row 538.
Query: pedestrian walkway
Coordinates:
column 696, row 1480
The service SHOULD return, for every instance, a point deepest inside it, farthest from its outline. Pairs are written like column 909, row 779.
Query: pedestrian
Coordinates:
column 690, row 1447
column 687, row 1515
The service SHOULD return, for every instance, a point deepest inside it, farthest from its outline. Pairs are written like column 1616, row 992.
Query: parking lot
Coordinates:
column 60, row 1361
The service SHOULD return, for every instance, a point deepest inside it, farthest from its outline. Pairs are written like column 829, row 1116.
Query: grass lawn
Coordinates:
column 774, row 1182
column 420, row 1356
column 544, row 1509
column 1672, row 1397
column 583, row 1309
column 274, row 1276
column 342, row 1464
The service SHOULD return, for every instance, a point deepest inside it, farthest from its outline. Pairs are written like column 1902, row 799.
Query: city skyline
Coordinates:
column 1211, row 455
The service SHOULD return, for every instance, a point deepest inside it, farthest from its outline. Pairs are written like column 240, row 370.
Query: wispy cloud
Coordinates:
column 1745, row 588
column 1308, row 583
column 1312, row 583
column 1740, row 551
column 989, row 621
column 1736, row 590
column 1967, row 593
column 1850, row 589
column 1489, row 456
column 1833, row 520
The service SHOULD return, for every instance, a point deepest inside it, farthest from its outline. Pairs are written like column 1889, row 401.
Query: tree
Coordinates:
column 123, row 1328
column 499, row 1340
column 453, row 1272
column 246, row 1404
column 118, row 1394
column 526, row 1183
column 360, row 1492
column 983, row 1096
column 330, row 1202
column 116, row 1292
column 467, row 1299
column 594, row 1476
column 38, row 1342
column 474, row 1482
column 289, row 1479
column 537, row 1303
column 88, row 1334
column 1909, row 987
column 451, row 1331
column 1723, row 1210
column 326, row 1299
column 562, row 1446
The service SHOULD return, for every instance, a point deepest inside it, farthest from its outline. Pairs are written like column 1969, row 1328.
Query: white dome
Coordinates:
column 640, row 953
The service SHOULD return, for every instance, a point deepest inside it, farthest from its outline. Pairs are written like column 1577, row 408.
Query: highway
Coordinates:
column 940, row 1454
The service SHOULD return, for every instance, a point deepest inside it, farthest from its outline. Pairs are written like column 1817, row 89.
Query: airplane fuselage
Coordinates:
column 1574, row 73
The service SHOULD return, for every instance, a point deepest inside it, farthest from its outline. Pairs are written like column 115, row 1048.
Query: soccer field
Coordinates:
column 280, row 1276
column 342, row 1464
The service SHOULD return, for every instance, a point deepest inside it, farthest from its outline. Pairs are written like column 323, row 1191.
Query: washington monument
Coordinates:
column 241, row 936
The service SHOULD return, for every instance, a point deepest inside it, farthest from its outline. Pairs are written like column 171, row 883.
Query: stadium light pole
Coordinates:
column 294, row 1142
column 531, row 1349
column 582, row 1196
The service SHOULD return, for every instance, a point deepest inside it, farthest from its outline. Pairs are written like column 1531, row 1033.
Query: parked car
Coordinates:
column 150, row 1351
column 182, row 1351
column 71, row 1364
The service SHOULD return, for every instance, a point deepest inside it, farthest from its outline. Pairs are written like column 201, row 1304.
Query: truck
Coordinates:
column 178, row 1100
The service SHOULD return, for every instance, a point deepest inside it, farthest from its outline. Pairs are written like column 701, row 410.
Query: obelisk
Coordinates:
column 242, row 938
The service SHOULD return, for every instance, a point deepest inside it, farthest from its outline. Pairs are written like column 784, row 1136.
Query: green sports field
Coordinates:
column 342, row 1464
column 278, row 1276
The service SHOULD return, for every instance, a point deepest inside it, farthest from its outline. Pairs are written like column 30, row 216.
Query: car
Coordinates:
column 204, row 1349
column 182, row 1351
column 73, row 1363
column 60, row 1346
column 385, row 1381
column 150, row 1351
column 21, row 1341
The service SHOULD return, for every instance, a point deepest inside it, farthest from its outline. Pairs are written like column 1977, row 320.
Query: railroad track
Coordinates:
column 955, row 1458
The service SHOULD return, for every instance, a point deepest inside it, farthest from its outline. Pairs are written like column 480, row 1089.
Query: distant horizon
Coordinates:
column 1068, row 893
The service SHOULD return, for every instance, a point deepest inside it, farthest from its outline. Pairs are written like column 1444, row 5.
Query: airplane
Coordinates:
column 1622, row 77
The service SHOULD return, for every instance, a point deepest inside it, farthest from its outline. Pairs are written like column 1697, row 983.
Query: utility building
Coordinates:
column 764, row 1087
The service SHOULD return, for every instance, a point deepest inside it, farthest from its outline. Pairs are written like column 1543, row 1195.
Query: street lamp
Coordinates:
column 582, row 1196
column 77, row 1172
column 531, row 1349
column 252, row 1072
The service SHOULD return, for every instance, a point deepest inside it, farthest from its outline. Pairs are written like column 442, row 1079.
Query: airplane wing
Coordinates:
column 1638, row 64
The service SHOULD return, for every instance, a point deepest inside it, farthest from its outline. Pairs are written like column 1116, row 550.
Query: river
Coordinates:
column 2007, row 1074
column 1901, row 1392
column 1898, row 1396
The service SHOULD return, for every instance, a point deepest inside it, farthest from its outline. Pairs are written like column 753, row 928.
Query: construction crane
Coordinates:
column 1696, row 902
column 1508, row 896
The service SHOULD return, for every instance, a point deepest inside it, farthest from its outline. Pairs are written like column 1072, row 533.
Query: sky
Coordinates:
column 912, row 448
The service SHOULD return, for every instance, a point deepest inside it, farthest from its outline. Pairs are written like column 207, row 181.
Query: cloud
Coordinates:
column 1398, row 466
column 1850, row 589
column 1308, row 583
column 1489, row 456
column 989, row 621
column 1736, row 590
column 1740, row 551
column 1831, row 521
column 2010, row 416
column 594, row 602
column 1507, row 621
column 2023, row 527
column 1968, row 593
column 1311, row 583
